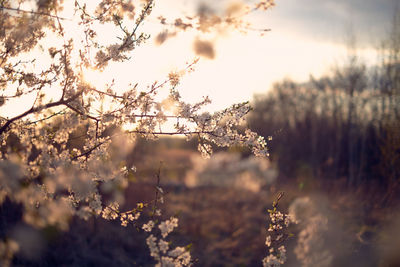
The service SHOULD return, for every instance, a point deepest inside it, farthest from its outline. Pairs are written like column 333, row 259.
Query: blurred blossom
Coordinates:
column 229, row 170
column 11, row 176
column 301, row 209
column 234, row 8
column 30, row 241
column 7, row 250
column 311, row 249
column 204, row 48
column 163, row 36
column 148, row 226
column 321, row 241
column 168, row 226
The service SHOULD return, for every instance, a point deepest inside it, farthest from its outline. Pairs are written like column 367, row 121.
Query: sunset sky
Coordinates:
column 306, row 37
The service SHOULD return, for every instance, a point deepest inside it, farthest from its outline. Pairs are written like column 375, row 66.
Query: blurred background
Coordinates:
column 327, row 92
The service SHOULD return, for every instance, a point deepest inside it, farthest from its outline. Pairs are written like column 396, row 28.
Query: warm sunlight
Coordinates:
column 188, row 133
column 274, row 56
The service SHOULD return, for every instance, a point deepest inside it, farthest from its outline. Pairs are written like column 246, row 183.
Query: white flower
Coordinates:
column 163, row 245
column 168, row 226
column 148, row 226
column 268, row 241
column 271, row 261
column 151, row 243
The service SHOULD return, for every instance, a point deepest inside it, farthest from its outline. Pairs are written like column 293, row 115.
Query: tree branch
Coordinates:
column 46, row 118
column 32, row 12
column 37, row 109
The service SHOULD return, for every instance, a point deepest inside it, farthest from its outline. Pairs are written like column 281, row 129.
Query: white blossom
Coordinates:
column 148, row 226
column 168, row 226
column 68, row 156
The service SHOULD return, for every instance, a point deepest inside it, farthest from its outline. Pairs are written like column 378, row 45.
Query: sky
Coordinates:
column 306, row 37
column 329, row 20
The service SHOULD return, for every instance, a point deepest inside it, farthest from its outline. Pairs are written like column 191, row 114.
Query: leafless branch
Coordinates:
column 18, row 10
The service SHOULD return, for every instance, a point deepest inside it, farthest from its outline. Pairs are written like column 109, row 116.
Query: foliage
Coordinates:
column 65, row 155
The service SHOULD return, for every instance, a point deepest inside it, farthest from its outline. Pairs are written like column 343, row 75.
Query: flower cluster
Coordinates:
column 7, row 250
column 312, row 245
column 66, row 154
column 230, row 170
column 277, row 235
column 160, row 248
column 208, row 20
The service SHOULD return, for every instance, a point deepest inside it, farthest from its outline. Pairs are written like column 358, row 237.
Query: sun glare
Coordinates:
column 243, row 64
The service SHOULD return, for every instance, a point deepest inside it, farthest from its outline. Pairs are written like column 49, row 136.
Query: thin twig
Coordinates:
column 158, row 191
column 37, row 109
column 32, row 12
column 49, row 117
